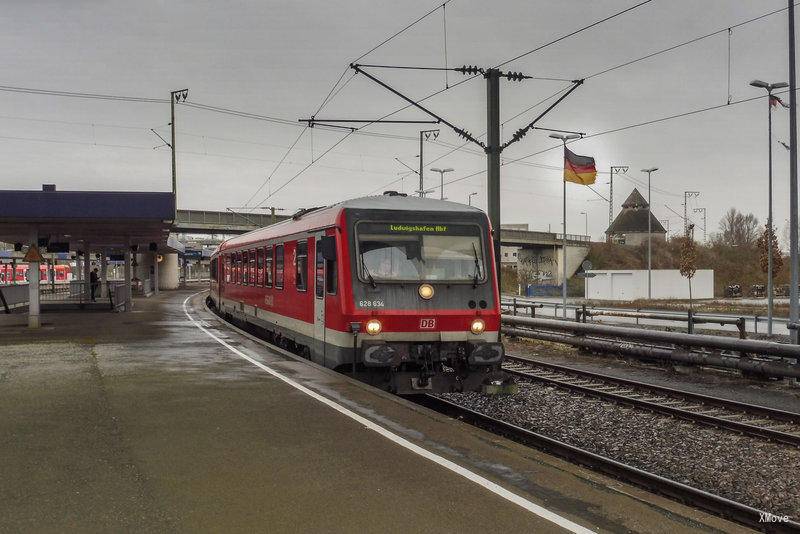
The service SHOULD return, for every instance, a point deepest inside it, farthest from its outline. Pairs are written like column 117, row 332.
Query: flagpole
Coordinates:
column 564, row 139
column 564, row 251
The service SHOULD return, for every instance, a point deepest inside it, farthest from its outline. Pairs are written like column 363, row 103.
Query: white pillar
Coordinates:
column 33, row 286
column 128, row 293
column 169, row 273
column 103, row 274
column 155, row 272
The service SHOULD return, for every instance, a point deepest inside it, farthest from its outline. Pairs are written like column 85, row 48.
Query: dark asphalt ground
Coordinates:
column 141, row 422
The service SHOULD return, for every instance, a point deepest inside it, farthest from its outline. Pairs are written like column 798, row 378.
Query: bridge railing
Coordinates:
column 574, row 237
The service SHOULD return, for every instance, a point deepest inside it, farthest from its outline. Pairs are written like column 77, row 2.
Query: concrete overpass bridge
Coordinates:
column 539, row 255
column 222, row 222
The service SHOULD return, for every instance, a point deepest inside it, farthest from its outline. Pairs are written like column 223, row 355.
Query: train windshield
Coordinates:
column 401, row 252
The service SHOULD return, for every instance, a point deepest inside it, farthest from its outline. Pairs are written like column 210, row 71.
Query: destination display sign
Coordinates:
column 408, row 228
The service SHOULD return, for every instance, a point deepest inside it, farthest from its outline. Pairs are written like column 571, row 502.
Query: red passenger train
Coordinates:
column 9, row 275
column 401, row 289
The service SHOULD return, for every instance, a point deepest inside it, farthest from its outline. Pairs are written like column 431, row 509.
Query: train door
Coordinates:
column 319, row 300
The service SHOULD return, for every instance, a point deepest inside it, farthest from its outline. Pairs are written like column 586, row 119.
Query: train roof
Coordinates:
column 327, row 216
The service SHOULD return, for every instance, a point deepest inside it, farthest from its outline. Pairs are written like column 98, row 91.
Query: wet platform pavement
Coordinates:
column 166, row 420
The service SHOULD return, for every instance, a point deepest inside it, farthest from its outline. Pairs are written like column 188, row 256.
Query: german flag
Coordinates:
column 578, row 169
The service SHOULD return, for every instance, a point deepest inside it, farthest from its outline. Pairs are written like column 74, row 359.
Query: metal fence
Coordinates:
column 644, row 316
column 75, row 292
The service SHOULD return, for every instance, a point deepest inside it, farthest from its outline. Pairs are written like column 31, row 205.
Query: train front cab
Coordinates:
column 425, row 299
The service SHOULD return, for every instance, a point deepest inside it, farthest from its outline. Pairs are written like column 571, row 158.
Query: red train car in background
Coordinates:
column 401, row 290
column 9, row 275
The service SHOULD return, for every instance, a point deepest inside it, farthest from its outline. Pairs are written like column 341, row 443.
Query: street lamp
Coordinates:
column 769, row 87
column 469, row 198
column 586, row 223
column 441, row 179
column 649, row 235
column 564, row 138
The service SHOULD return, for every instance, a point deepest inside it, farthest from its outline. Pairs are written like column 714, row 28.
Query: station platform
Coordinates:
column 165, row 418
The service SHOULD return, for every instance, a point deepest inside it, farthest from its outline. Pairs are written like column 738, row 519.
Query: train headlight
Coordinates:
column 374, row 327
column 477, row 326
column 426, row 291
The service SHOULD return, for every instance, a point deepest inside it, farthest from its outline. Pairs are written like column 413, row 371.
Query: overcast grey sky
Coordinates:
column 281, row 58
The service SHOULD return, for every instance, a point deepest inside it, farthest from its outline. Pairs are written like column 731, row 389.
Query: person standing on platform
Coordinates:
column 94, row 282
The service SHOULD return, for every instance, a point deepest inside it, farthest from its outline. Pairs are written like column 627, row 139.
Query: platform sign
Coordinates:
column 33, row 254
column 582, row 271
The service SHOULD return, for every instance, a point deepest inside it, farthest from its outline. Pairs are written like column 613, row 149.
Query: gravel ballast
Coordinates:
column 749, row 470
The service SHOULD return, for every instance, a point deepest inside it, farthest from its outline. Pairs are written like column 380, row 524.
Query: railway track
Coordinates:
column 753, row 420
column 678, row 491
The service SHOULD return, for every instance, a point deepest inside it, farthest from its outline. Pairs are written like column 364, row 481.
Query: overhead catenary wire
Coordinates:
column 304, row 169
column 573, row 33
column 277, row 166
column 331, row 94
column 371, row 50
column 75, row 94
column 683, row 43
column 75, row 123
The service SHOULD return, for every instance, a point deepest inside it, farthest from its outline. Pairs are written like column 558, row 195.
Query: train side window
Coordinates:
column 213, row 268
column 331, row 276
column 245, row 268
column 239, row 268
column 227, row 268
column 260, row 267
column 278, row 266
column 301, row 272
column 252, row 267
column 268, row 267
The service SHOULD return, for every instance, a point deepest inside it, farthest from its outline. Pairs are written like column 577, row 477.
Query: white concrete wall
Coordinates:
column 632, row 284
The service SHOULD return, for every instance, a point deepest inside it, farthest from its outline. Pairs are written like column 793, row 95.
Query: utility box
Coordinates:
column 631, row 284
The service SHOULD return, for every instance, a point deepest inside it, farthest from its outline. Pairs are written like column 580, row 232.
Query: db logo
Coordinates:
column 427, row 324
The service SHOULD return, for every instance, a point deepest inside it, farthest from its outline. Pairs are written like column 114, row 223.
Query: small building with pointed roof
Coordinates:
column 630, row 226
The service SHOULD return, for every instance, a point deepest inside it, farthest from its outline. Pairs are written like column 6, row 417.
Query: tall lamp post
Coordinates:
column 649, row 171
column 469, row 198
column 793, row 296
column 441, row 179
column 585, row 223
column 769, row 87
column 564, row 139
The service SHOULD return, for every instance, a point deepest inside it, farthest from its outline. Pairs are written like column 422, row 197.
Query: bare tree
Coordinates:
column 738, row 229
column 688, row 264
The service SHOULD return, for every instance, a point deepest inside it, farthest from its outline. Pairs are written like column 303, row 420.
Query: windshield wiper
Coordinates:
column 369, row 275
column 477, row 267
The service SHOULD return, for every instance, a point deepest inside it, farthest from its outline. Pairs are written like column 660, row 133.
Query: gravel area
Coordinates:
column 748, row 470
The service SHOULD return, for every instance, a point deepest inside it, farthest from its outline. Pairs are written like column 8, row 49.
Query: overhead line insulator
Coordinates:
column 469, row 69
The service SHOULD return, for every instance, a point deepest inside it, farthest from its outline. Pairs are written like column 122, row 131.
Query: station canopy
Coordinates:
column 106, row 220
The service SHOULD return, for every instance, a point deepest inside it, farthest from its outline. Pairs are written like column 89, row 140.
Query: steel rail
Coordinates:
column 756, row 409
column 665, row 409
column 689, row 495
